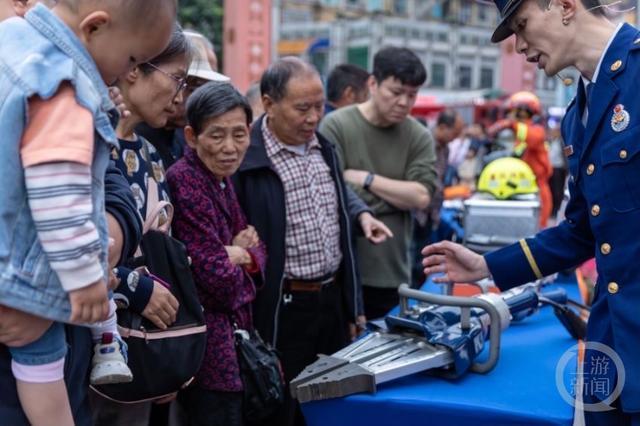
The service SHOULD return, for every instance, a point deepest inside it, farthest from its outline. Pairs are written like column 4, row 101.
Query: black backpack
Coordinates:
column 162, row 361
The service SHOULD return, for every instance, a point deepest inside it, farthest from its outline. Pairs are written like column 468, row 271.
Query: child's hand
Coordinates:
column 90, row 304
column 118, row 99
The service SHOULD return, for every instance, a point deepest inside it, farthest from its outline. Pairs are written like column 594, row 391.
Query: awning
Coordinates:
column 426, row 105
column 293, row 47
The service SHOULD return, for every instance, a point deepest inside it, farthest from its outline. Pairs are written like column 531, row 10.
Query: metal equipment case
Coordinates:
column 490, row 224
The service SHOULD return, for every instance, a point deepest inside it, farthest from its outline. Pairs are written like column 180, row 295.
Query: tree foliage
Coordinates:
column 204, row 16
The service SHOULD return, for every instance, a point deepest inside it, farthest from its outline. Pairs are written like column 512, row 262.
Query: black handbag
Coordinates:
column 261, row 375
column 162, row 361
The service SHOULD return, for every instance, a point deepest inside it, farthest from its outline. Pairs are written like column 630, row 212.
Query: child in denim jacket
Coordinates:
column 54, row 116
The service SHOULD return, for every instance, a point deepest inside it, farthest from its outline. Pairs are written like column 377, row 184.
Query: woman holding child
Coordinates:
column 151, row 92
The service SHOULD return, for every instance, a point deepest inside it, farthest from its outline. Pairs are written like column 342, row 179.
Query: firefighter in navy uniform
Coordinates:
column 601, row 131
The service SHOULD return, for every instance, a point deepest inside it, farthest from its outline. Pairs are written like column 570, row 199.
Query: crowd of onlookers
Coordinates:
column 296, row 204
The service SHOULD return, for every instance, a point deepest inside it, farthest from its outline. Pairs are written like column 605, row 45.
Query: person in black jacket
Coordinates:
column 19, row 328
column 292, row 192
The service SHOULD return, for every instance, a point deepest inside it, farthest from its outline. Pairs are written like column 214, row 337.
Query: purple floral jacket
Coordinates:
column 207, row 217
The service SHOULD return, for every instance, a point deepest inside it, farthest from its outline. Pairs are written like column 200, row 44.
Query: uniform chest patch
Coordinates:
column 620, row 119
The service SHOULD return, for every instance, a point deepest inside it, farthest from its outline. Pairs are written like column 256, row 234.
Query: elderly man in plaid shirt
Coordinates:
column 292, row 191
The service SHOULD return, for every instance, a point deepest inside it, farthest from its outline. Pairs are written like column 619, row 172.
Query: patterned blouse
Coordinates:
column 135, row 162
column 207, row 217
column 132, row 161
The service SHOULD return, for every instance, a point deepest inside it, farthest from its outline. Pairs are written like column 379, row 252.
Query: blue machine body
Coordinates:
column 441, row 325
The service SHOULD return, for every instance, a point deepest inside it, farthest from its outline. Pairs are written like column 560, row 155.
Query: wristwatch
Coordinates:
column 368, row 181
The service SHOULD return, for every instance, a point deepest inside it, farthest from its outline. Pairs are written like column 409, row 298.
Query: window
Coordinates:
column 444, row 37
column 374, row 5
column 296, row 15
column 465, row 13
column 438, row 78
column 358, row 32
column 446, row 10
column 486, row 78
column 395, row 31
column 437, row 11
column 400, row 7
column 352, row 4
column 482, row 12
column 464, row 77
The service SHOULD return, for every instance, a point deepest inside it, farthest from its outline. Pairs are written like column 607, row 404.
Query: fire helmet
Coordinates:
column 525, row 100
column 507, row 177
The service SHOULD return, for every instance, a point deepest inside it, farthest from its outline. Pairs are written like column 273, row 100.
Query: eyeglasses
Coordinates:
column 181, row 82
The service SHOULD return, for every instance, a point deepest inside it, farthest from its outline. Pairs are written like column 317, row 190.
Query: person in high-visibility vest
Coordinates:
column 530, row 145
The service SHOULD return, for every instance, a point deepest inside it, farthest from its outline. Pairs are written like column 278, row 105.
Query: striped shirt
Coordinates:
column 56, row 152
column 312, row 237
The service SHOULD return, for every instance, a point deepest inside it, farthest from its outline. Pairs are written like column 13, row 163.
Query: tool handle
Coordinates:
column 558, row 295
column 464, row 303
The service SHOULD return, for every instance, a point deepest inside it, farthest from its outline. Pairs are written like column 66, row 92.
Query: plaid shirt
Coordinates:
column 312, row 236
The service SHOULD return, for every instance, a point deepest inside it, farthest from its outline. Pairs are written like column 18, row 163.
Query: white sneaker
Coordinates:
column 109, row 364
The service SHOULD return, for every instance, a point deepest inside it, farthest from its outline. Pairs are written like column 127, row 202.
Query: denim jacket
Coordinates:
column 37, row 54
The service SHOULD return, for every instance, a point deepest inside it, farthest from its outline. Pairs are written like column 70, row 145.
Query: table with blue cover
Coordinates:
column 521, row 390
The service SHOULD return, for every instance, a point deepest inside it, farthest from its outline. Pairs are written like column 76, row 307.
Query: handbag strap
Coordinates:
column 153, row 217
column 154, row 206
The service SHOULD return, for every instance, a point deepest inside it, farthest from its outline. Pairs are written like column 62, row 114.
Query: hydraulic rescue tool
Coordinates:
column 443, row 334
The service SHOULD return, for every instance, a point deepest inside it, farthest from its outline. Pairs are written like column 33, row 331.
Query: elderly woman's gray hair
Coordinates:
column 212, row 100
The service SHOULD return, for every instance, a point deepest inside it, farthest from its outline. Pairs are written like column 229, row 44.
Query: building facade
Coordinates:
column 452, row 37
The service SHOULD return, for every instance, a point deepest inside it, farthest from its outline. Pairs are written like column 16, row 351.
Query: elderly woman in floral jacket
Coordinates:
column 228, row 258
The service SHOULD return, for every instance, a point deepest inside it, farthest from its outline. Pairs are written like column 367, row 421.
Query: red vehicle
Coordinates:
column 427, row 108
column 479, row 111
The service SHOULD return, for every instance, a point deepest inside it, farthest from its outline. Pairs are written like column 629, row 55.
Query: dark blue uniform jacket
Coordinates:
column 603, row 215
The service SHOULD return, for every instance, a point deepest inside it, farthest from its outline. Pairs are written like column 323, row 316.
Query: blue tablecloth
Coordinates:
column 521, row 390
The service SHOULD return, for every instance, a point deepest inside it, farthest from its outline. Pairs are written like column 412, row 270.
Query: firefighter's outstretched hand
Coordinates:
column 455, row 262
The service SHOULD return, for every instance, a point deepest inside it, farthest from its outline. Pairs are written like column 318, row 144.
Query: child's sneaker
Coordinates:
column 109, row 364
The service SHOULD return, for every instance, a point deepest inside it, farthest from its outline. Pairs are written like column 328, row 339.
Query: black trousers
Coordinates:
column 211, row 408
column 379, row 301
column 310, row 323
